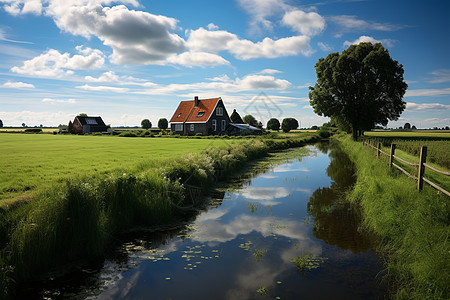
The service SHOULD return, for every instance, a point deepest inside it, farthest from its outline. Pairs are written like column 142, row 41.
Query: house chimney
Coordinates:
column 196, row 101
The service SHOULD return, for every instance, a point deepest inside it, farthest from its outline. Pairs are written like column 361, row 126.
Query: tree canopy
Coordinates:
column 250, row 120
column 146, row 124
column 288, row 124
column 273, row 124
column 359, row 88
column 163, row 123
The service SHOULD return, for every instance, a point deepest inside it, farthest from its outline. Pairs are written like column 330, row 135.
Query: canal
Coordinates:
column 282, row 231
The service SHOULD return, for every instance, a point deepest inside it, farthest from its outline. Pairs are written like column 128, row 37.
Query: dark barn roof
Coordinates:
column 95, row 121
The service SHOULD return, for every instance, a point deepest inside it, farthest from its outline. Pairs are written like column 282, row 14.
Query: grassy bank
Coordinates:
column 413, row 226
column 79, row 217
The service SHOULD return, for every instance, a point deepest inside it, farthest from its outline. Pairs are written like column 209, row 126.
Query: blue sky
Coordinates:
column 130, row 60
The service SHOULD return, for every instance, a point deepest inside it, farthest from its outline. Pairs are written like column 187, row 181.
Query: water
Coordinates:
column 242, row 246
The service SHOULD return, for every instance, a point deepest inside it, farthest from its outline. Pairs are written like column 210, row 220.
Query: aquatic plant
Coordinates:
column 307, row 262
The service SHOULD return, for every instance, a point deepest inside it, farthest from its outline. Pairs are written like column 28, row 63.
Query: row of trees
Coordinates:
column 162, row 123
column 287, row 124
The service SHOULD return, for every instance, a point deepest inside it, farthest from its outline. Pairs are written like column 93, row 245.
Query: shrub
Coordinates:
column 128, row 134
column 33, row 130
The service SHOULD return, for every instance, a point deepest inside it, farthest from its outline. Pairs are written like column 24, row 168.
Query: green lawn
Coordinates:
column 31, row 161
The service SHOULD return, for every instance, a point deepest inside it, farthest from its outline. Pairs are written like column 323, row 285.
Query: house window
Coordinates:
column 200, row 114
column 219, row 111
column 214, row 125
column 178, row 127
column 223, row 125
column 192, row 127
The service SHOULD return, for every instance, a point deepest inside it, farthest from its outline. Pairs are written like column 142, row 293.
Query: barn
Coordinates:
column 85, row 124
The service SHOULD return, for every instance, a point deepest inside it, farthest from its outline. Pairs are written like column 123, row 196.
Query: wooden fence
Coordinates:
column 421, row 166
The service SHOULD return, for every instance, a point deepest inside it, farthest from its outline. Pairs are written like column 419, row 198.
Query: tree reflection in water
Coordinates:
column 336, row 221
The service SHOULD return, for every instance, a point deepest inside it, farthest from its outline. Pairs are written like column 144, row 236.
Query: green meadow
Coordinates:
column 35, row 161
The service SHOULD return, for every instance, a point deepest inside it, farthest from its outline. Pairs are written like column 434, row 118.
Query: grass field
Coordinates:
column 412, row 226
column 37, row 160
column 416, row 134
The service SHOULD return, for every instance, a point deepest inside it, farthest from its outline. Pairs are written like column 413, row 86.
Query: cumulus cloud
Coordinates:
column 18, row 85
column 191, row 59
column 212, row 26
column 369, row 39
column 111, row 77
column 426, row 106
column 54, row 64
column 306, row 23
column 136, row 37
column 219, row 40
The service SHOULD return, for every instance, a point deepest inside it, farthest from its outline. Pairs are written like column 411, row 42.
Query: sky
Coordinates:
column 136, row 59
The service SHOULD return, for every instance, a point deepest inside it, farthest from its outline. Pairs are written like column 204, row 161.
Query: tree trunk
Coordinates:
column 354, row 132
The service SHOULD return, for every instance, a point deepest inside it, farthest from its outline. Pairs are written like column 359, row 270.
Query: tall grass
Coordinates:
column 413, row 226
column 79, row 218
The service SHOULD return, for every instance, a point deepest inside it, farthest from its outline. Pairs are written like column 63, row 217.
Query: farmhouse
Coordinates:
column 86, row 124
column 205, row 116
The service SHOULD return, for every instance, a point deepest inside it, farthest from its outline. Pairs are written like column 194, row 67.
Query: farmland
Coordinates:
column 38, row 160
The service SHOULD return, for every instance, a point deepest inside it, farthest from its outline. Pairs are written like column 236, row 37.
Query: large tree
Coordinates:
column 289, row 124
column 250, row 120
column 359, row 88
column 146, row 124
column 163, row 123
column 1, row 123
column 273, row 124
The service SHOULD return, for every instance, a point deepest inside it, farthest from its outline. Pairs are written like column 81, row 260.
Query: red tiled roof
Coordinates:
column 186, row 112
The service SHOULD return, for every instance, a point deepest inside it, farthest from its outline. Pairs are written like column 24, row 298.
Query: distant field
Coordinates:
column 410, row 134
column 29, row 161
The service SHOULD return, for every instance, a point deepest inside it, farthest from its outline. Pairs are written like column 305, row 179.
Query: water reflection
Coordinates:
column 247, row 239
column 336, row 221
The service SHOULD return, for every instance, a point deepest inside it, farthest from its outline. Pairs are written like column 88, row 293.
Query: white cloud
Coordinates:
column 212, row 26
column 324, row 47
column 190, row 59
column 426, row 106
column 87, row 87
column 18, row 85
column 223, row 83
column 136, row 37
column 55, row 101
column 219, row 40
column 255, row 82
column 369, row 39
column 306, row 23
column 111, row 77
column 427, row 92
column 441, row 76
column 260, row 11
column 352, row 23
column 54, row 64
column 269, row 71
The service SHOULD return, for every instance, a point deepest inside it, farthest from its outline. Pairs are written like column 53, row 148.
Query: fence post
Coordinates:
column 379, row 150
column 423, row 159
column 391, row 157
